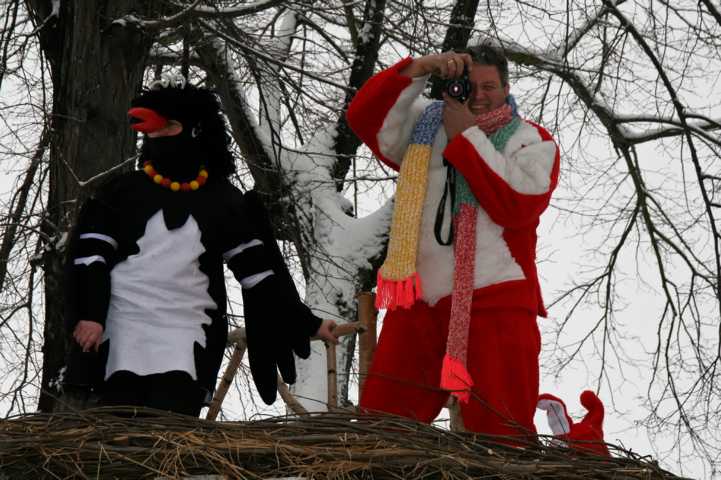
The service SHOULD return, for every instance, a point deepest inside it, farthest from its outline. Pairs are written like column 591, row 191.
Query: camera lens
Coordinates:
column 458, row 88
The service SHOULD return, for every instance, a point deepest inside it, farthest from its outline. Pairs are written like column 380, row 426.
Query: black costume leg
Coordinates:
column 123, row 388
column 175, row 391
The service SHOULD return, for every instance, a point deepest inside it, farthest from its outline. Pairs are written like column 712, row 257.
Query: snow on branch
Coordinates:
column 613, row 121
column 239, row 11
column 54, row 14
column 271, row 93
column 700, row 128
column 269, row 58
column 549, row 61
column 194, row 11
column 307, row 171
column 217, row 62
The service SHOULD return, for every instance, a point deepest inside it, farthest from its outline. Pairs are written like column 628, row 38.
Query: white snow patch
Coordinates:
column 59, row 380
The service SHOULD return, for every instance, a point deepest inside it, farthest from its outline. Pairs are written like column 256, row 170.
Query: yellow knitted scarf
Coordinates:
column 399, row 284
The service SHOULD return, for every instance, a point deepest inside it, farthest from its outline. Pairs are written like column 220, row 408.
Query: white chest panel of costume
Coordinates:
column 436, row 263
column 158, row 301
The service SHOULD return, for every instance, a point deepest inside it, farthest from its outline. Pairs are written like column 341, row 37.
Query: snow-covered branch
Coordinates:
column 192, row 11
column 221, row 68
column 700, row 128
column 270, row 89
column 249, row 50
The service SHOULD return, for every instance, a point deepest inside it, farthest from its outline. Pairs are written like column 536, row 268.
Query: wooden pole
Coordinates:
column 455, row 416
column 348, row 329
column 289, row 398
column 237, row 337
column 332, row 377
column 368, row 318
column 228, row 375
column 339, row 331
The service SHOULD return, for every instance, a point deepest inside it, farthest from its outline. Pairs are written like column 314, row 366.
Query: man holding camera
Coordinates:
column 459, row 281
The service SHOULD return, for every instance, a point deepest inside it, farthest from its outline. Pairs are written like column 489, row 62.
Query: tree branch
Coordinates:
column 8, row 238
column 366, row 55
column 457, row 35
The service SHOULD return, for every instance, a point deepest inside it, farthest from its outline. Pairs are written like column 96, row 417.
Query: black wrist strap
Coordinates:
column 450, row 186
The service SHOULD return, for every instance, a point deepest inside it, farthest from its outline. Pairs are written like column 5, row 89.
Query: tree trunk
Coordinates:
column 96, row 67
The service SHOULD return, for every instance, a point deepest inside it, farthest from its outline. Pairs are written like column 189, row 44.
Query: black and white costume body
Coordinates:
column 147, row 264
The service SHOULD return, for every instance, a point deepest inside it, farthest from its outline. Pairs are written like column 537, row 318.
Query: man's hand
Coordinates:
column 456, row 117
column 444, row 65
column 88, row 334
column 325, row 332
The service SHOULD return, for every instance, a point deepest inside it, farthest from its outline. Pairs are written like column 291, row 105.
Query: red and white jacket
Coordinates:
column 512, row 187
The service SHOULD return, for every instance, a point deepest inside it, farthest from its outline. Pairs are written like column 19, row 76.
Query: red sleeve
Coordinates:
column 371, row 104
column 513, row 190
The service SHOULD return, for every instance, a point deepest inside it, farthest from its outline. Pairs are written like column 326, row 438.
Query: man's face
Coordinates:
column 487, row 92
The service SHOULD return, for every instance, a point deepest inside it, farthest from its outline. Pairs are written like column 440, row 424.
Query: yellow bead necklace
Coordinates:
column 166, row 182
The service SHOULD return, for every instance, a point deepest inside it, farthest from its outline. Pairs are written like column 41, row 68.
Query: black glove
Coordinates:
column 277, row 326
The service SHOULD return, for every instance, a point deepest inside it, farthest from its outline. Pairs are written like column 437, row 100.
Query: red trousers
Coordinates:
column 503, row 350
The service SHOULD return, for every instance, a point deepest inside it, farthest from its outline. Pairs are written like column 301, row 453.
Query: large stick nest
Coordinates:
column 140, row 443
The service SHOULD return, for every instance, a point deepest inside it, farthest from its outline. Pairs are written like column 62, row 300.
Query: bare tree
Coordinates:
column 628, row 87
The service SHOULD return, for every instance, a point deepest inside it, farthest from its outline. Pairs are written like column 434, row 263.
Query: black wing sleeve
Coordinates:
column 277, row 322
column 305, row 323
column 92, row 254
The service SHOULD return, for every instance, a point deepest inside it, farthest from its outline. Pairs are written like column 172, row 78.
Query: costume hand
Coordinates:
column 88, row 334
column 325, row 332
column 274, row 332
column 456, row 117
column 444, row 65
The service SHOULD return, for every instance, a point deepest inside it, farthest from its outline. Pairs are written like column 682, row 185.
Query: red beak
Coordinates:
column 146, row 120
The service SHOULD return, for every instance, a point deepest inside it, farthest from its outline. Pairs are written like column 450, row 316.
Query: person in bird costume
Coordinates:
column 461, row 307
column 585, row 436
column 146, row 287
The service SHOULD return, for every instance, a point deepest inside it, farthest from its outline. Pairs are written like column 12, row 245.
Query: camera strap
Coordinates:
column 449, row 186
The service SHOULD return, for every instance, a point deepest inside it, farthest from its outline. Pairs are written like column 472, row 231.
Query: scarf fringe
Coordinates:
column 456, row 379
column 392, row 294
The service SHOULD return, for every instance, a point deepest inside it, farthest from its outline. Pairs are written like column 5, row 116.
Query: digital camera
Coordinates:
column 459, row 88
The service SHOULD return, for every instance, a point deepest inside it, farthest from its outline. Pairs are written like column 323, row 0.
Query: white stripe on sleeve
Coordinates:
column 100, row 236
column 253, row 280
column 227, row 256
column 89, row 260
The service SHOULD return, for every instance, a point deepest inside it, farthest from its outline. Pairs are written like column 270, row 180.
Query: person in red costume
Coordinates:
column 462, row 313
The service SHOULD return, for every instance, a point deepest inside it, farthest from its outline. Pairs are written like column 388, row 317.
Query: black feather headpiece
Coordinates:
column 204, row 130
